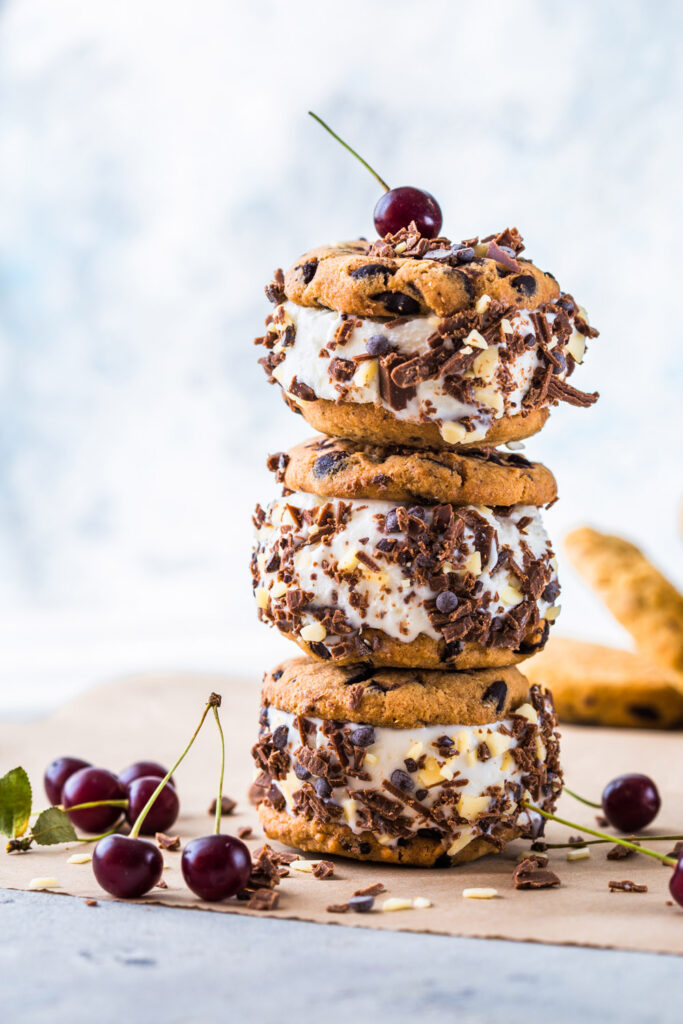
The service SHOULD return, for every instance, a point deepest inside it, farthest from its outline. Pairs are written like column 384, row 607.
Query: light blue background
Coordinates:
column 156, row 164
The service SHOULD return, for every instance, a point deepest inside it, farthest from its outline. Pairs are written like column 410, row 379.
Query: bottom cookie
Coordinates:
column 596, row 685
column 422, row 795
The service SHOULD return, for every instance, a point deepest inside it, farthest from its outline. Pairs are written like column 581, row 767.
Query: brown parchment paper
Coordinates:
column 153, row 717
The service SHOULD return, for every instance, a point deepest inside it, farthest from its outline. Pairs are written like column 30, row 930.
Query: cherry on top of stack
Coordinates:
column 418, row 341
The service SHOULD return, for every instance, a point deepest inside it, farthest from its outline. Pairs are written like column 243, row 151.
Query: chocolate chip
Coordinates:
column 377, row 345
column 560, row 364
column 418, row 511
column 446, row 602
column 360, row 674
column 371, row 270
column 365, row 848
column 645, row 712
column 402, row 780
column 420, row 794
column 361, row 904
column 524, row 283
column 411, row 764
column 277, row 674
column 323, row 788
column 391, row 522
column 320, row 650
column 452, row 649
column 308, row 270
column 496, row 694
column 530, row 340
column 465, row 254
column 551, row 592
column 398, row 303
column 363, row 736
column 329, row 464
column 280, row 737
column 301, row 772
column 467, row 284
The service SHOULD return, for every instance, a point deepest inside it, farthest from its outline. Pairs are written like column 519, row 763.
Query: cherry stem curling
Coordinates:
column 365, row 164
column 601, row 835
column 219, row 801
column 581, row 799
column 213, row 701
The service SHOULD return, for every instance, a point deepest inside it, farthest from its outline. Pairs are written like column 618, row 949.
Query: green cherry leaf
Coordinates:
column 15, row 803
column 51, row 827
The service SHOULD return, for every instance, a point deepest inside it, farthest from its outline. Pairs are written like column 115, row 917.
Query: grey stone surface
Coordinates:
column 61, row 961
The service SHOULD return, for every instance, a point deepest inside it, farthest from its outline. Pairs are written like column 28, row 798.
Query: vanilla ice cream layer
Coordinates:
column 386, row 598
column 475, row 764
column 507, row 380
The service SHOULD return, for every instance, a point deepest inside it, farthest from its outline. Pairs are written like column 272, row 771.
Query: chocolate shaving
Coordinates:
column 325, row 869
column 619, row 852
column 165, row 842
column 275, row 291
column 529, row 875
column 227, row 805
column 626, row 886
column 263, row 899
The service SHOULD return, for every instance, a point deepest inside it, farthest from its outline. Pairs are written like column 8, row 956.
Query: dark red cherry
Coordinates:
column 56, row 774
column 676, row 883
column 399, row 206
column 163, row 811
column 127, row 867
column 142, row 768
column 88, row 785
column 630, row 802
column 216, row 867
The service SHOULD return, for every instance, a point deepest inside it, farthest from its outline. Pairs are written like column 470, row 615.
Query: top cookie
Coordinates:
column 397, row 698
column 333, row 467
column 407, row 275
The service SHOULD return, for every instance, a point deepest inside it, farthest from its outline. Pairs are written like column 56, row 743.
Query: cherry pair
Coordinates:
column 214, row 867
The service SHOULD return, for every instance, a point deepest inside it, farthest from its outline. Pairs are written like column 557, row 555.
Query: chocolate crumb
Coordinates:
column 601, row 821
column 263, row 899
column 167, row 842
column 325, row 869
column 371, row 890
column 227, row 805
column 621, row 852
column 677, row 851
column 528, row 875
column 626, row 886
column 244, row 832
column 337, row 908
column 161, row 884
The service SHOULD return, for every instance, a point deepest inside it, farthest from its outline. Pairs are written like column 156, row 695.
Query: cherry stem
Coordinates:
column 93, row 803
column 365, row 164
column 581, row 799
column 601, row 835
column 213, row 701
column 103, row 835
column 219, row 801
column 612, row 839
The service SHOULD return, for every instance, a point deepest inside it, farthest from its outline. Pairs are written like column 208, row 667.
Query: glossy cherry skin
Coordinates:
column 630, row 802
column 91, row 784
column 399, row 206
column 127, row 867
column 216, row 867
column 56, row 774
column 142, row 768
column 163, row 811
column 676, row 883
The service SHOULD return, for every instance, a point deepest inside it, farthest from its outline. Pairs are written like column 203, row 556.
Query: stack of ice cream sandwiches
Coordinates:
column 406, row 554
